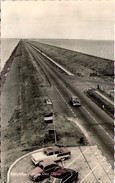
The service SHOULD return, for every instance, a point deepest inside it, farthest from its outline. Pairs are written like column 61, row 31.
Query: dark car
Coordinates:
column 64, row 175
column 74, row 101
column 49, row 166
column 43, row 170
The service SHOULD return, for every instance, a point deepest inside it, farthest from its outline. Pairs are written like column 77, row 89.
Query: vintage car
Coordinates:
column 43, row 170
column 74, row 101
column 64, row 175
column 48, row 101
column 53, row 153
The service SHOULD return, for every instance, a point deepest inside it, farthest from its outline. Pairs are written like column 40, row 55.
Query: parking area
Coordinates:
column 87, row 160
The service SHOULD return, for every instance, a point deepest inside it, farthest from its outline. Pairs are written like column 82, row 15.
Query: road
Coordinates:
column 96, row 122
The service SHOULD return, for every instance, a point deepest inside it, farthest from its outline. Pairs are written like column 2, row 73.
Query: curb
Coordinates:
column 8, row 174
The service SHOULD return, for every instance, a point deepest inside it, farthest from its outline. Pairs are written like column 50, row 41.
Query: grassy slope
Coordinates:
column 72, row 59
column 24, row 130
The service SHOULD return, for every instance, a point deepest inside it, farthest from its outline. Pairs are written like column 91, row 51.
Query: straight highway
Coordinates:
column 97, row 123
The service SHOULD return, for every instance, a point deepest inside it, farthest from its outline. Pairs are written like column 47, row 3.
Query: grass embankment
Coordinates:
column 26, row 129
column 68, row 134
column 102, row 103
column 77, row 62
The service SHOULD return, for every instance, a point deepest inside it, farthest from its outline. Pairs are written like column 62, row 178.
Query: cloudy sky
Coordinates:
column 58, row 19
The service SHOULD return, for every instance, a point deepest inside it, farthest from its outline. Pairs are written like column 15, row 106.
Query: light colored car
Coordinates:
column 48, row 101
column 74, row 101
column 53, row 153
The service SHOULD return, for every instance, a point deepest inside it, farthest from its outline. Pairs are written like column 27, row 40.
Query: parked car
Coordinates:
column 53, row 153
column 64, row 175
column 37, row 174
column 49, row 166
column 74, row 101
column 43, row 170
column 48, row 101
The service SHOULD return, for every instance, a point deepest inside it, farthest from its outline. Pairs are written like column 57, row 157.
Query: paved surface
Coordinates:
column 58, row 65
column 96, row 122
column 103, row 96
column 87, row 160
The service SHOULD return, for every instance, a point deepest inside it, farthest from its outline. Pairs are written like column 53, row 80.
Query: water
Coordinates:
column 7, row 46
column 103, row 49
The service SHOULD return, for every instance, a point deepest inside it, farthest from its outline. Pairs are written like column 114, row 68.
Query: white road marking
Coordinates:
column 65, row 102
column 83, row 108
column 54, row 180
column 13, row 164
column 74, row 161
column 92, row 170
column 60, row 66
column 88, row 112
column 109, row 168
column 78, row 123
column 77, row 157
column 98, row 124
column 65, row 87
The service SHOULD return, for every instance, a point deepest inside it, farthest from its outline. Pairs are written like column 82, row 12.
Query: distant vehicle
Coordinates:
column 64, row 175
column 44, row 170
column 48, row 101
column 74, row 101
column 53, row 153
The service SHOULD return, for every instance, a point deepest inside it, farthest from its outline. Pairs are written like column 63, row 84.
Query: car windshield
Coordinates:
column 74, row 97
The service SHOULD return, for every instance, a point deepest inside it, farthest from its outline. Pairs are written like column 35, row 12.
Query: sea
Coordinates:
column 99, row 48
column 7, row 46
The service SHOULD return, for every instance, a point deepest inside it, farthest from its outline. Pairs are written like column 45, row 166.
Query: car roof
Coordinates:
column 55, row 148
column 47, row 162
column 52, row 148
column 74, row 97
column 35, row 171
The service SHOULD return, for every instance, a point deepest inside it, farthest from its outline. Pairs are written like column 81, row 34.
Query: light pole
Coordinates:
column 55, row 137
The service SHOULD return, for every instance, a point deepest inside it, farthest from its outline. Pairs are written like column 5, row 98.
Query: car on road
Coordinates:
column 63, row 175
column 53, row 153
column 43, row 170
column 74, row 101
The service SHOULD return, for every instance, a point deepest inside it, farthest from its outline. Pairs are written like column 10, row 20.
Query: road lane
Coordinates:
column 93, row 109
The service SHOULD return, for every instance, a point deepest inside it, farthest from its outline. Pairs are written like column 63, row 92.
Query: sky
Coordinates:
column 80, row 19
